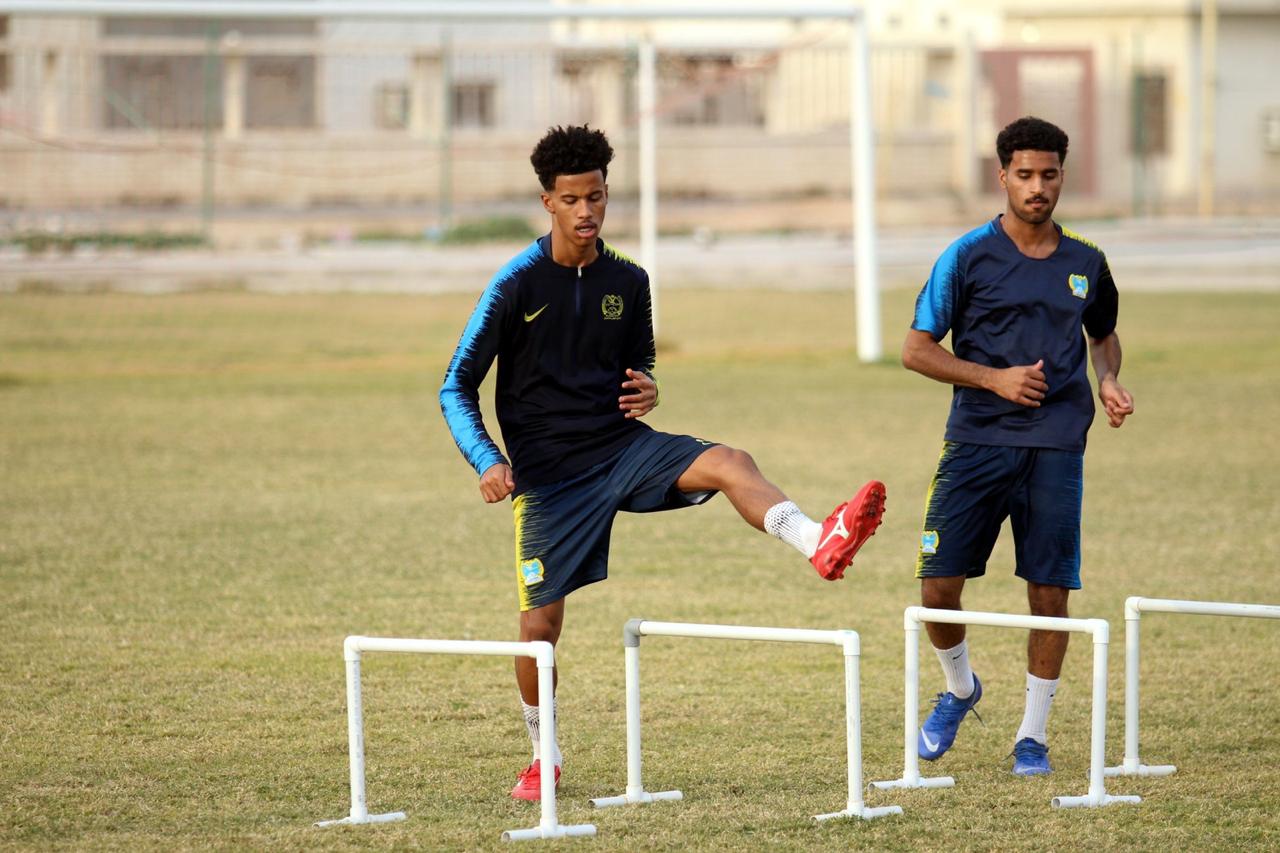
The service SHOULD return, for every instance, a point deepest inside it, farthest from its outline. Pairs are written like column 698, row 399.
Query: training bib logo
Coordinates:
column 1079, row 285
column 611, row 306
column 531, row 572
column 929, row 542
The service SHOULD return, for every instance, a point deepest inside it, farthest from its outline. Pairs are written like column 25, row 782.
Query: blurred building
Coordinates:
column 309, row 112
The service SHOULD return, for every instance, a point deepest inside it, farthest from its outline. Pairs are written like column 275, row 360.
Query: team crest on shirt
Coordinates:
column 531, row 571
column 611, row 306
column 1079, row 285
column 929, row 542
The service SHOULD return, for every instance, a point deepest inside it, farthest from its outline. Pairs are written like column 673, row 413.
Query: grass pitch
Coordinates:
column 203, row 494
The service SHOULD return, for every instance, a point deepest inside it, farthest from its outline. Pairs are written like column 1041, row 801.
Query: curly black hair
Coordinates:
column 570, row 151
column 1030, row 134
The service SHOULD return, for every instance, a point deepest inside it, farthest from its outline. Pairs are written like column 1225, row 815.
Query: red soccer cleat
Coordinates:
column 529, row 783
column 846, row 529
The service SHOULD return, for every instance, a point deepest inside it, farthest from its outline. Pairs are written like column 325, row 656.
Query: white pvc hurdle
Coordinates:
column 543, row 653
column 848, row 642
column 1133, row 609
column 912, row 618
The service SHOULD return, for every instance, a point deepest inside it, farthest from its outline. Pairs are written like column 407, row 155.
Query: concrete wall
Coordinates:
column 292, row 170
column 1167, row 41
column 1248, row 87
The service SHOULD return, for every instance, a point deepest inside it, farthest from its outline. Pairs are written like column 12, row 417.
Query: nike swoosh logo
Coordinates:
column 929, row 745
column 529, row 318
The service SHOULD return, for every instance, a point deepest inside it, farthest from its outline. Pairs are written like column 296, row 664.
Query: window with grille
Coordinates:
column 473, row 104
column 1150, row 113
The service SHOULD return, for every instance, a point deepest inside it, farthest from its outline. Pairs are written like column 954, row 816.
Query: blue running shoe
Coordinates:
column 939, row 730
column 1030, row 758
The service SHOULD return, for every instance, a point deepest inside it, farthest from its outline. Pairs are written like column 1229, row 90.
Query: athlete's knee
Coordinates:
column 1047, row 600
column 728, row 465
column 941, row 593
column 541, row 624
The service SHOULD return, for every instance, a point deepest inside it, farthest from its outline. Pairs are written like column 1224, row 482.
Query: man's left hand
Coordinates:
column 643, row 396
column 1116, row 401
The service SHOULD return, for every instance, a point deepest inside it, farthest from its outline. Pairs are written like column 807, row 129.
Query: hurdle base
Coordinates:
column 636, row 799
column 1128, row 769
column 1090, row 801
column 861, row 811
column 353, row 820
column 558, row 831
column 918, row 782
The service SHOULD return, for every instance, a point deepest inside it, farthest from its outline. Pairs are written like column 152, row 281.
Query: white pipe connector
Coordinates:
column 1100, row 631
column 542, row 652
column 1134, row 607
column 847, row 641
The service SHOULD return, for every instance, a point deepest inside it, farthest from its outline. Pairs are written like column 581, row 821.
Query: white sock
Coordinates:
column 955, row 666
column 531, row 723
column 788, row 523
column 1035, row 719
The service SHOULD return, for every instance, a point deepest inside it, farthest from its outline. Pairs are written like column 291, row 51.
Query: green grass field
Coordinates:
column 203, row 494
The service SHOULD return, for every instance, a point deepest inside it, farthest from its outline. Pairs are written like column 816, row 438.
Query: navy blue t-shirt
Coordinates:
column 1003, row 309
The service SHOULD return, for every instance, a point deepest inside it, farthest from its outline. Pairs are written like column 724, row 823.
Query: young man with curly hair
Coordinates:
column 569, row 322
column 1014, row 295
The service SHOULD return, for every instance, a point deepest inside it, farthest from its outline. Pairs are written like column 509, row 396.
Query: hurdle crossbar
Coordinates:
column 542, row 652
column 1134, row 606
column 1098, row 628
column 847, row 641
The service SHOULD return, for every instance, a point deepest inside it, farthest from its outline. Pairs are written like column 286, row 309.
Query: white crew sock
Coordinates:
column 788, row 523
column 531, row 723
column 955, row 666
column 1035, row 719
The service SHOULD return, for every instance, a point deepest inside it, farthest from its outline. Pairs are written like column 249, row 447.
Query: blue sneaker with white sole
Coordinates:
column 1030, row 758
column 939, row 730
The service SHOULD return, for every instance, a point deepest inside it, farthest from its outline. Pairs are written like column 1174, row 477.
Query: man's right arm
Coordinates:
column 460, row 393
column 1022, row 384
column 936, row 311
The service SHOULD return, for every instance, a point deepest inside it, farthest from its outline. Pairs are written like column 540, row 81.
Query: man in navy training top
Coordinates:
column 569, row 321
column 1014, row 294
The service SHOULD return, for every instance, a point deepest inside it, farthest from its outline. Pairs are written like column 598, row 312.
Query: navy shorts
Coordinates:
column 978, row 486
column 562, row 529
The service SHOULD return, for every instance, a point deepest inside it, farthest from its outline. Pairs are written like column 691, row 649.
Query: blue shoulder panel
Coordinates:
column 935, row 306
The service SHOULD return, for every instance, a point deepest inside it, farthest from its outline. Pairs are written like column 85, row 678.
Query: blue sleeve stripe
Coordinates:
column 936, row 303
column 459, row 395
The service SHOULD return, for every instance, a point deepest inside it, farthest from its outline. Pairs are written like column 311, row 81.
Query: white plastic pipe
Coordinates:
column 1098, row 628
column 855, row 807
column 911, row 777
column 849, row 644
column 862, row 146
column 635, row 792
column 543, row 653
column 440, row 9
column 1133, row 609
column 647, row 101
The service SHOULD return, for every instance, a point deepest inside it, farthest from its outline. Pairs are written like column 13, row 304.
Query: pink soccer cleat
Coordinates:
column 529, row 783
column 847, row 528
